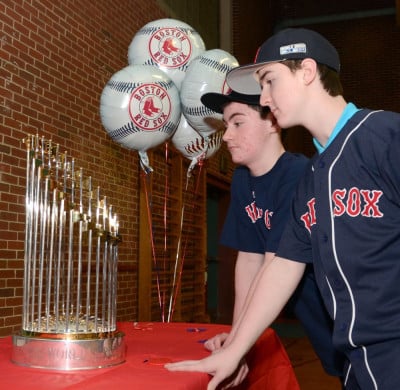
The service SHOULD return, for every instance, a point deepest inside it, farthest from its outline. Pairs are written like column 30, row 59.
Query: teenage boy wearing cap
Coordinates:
column 261, row 192
column 345, row 214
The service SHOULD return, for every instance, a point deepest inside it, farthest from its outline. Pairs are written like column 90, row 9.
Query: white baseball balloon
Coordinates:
column 193, row 145
column 140, row 107
column 169, row 44
column 206, row 73
column 184, row 139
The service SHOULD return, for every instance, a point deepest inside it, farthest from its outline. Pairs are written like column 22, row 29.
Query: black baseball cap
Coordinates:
column 217, row 101
column 288, row 44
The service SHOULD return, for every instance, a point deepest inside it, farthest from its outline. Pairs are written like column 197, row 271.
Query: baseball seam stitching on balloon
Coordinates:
column 224, row 68
column 130, row 128
column 122, row 86
column 123, row 131
column 197, row 111
column 152, row 30
column 193, row 148
column 147, row 30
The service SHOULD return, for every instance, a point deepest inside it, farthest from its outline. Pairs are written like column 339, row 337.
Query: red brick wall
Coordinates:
column 55, row 59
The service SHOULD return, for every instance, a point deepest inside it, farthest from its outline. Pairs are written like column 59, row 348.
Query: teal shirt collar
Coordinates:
column 348, row 112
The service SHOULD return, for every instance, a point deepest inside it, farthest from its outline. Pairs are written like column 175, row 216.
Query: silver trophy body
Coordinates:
column 70, row 268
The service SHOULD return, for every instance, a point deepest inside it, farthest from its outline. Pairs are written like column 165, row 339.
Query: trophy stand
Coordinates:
column 70, row 268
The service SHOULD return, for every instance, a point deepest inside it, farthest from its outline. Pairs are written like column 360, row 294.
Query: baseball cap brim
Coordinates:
column 217, row 101
column 287, row 44
column 243, row 79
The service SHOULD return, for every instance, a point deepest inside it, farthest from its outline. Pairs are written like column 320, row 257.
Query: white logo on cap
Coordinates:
column 294, row 48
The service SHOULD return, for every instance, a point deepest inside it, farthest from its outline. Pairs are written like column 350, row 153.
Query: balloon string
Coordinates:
column 174, row 289
column 166, row 193
column 174, row 295
column 148, row 204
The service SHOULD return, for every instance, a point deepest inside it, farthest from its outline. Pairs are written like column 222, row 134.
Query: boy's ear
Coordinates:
column 310, row 70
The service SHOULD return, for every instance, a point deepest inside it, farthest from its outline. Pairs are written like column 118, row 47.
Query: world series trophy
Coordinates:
column 70, row 268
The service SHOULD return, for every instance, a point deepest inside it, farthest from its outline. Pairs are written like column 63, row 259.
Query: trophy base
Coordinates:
column 68, row 352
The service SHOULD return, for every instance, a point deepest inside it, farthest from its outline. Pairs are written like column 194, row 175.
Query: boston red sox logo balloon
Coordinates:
column 168, row 44
column 139, row 108
column 156, row 97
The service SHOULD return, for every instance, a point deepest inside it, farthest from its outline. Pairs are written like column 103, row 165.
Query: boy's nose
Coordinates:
column 264, row 98
column 226, row 135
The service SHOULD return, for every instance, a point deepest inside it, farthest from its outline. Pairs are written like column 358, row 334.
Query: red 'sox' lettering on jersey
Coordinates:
column 353, row 202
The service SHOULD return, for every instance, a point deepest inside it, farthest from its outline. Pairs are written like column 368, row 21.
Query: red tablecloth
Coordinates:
column 149, row 346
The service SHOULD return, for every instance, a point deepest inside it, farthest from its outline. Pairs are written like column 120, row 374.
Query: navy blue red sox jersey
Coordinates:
column 346, row 218
column 259, row 207
column 257, row 215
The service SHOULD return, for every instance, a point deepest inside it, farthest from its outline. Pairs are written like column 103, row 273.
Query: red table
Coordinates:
column 149, row 346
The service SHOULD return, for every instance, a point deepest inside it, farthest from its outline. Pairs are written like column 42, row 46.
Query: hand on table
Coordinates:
column 216, row 342
column 221, row 365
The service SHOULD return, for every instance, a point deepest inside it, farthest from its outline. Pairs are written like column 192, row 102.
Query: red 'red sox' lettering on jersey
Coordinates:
column 255, row 213
column 353, row 202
